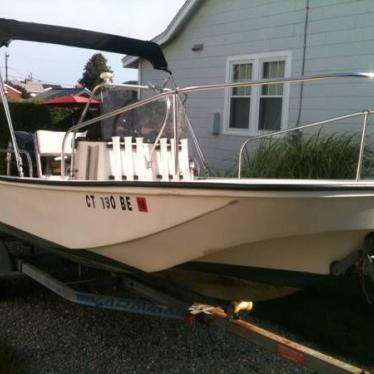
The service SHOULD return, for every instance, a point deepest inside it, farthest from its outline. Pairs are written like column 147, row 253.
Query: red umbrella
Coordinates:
column 72, row 101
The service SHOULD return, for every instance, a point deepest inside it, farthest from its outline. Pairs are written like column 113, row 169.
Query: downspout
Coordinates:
column 303, row 62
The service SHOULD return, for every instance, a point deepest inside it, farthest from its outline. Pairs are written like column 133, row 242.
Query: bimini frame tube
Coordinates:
column 17, row 155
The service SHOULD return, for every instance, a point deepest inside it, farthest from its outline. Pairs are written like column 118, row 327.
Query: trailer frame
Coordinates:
column 178, row 304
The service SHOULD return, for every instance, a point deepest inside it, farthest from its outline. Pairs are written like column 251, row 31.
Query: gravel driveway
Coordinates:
column 51, row 335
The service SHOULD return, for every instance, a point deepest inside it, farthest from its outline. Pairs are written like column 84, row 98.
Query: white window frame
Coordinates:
column 257, row 60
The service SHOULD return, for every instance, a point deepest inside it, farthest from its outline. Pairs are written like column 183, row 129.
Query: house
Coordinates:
column 33, row 87
column 53, row 93
column 12, row 93
column 212, row 41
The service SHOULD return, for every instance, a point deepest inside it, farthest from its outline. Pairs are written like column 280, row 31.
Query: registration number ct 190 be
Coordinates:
column 110, row 202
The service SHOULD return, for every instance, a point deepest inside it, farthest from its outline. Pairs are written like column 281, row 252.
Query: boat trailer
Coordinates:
column 179, row 306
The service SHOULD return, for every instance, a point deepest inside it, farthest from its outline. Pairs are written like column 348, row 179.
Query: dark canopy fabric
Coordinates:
column 35, row 32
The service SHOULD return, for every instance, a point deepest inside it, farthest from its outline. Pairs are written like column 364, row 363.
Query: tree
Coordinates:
column 96, row 65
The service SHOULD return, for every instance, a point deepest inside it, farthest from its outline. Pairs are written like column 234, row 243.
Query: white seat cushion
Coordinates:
column 50, row 142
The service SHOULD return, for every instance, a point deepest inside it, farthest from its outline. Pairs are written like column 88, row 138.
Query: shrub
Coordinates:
column 307, row 157
column 29, row 116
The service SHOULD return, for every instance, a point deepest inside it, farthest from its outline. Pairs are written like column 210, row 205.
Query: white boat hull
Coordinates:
column 156, row 227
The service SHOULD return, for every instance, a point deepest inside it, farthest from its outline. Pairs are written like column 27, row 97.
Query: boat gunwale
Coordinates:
column 213, row 184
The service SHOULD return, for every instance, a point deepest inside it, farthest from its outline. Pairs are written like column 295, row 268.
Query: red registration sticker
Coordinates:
column 142, row 204
column 290, row 354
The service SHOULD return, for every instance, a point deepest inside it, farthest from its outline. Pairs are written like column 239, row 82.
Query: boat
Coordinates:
column 127, row 190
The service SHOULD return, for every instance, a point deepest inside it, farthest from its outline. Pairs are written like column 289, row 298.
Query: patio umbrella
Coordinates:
column 71, row 101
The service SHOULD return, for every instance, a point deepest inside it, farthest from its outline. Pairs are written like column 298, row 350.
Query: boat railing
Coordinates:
column 9, row 153
column 11, row 128
column 365, row 114
column 173, row 95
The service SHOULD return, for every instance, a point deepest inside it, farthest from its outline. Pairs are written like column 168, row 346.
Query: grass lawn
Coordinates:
column 8, row 362
column 334, row 315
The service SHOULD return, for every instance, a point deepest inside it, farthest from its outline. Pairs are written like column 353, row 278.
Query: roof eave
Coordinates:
column 12, row 88
column 176, row 24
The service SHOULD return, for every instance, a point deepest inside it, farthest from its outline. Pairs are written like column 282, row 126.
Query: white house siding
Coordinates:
column 340, row 38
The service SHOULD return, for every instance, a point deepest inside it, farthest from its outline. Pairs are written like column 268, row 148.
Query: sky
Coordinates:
column 142, row 19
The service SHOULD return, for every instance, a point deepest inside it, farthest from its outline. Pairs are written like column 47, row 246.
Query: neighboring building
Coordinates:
column 212, row 41
column 50, row 86
column 59, row 92
column 34, row 87
column 12, row 93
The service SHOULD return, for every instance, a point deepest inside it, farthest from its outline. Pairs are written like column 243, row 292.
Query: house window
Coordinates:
column 261, row 108
column 271, row 98
column 240, row 100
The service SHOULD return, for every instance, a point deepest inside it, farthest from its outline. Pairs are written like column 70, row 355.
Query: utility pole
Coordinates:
column 6, row 66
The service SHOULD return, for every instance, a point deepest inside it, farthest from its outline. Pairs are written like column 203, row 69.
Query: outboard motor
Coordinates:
column 25, row 142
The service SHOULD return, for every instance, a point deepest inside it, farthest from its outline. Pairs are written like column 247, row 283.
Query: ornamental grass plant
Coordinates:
column 316, row 156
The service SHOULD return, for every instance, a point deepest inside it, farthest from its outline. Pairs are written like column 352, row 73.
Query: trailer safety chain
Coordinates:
column 233, row 310
column 197, row 309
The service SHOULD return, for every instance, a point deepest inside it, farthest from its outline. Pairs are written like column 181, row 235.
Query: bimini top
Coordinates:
column 15, row 30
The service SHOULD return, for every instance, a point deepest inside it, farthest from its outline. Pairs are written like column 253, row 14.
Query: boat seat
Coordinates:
column 48, row 147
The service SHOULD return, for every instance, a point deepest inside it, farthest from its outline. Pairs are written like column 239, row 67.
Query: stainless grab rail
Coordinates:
column 210, row 87
column 362, row 145
column 21, row 151
column 8, row 116
column 364, row 113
